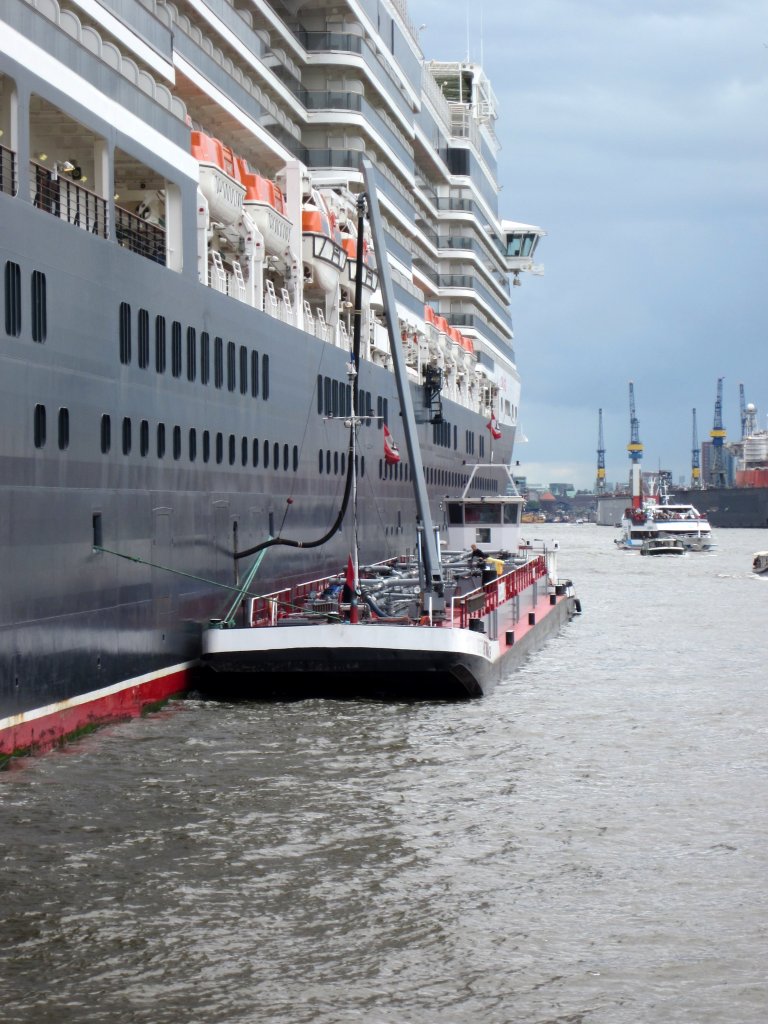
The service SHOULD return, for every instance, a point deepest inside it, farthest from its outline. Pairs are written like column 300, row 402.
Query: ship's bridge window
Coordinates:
column 521, row 244
column 455, row 517
column 481, row 512
column 511, row 513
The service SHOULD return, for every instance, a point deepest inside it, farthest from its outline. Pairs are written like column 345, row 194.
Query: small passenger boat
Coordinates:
column 760, row 563
column 662, row 546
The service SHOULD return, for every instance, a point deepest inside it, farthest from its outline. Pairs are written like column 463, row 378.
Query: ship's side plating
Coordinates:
column 174, row 453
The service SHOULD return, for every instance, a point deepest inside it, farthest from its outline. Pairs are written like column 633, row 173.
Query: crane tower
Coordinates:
column 717, row 476
column 635, row 451
column 695, row 456
column 600, row 479
column 742, row 412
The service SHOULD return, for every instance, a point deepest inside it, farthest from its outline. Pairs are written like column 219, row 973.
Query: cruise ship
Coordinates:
column 178, row 194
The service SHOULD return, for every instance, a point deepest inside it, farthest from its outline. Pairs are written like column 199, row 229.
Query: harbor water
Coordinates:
column 588, row 845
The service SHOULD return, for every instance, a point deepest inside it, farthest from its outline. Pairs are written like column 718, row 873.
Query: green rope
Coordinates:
column 229, row 618
column 176, row 572
column 241, row 591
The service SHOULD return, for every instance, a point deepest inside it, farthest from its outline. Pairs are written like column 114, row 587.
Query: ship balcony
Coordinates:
column 54, row 192
column 8, row 179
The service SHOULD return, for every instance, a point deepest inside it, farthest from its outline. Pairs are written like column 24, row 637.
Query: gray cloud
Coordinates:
column 636, row 135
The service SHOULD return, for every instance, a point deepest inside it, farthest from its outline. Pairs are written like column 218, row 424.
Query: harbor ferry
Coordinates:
column 657, row 518
column 178, row 183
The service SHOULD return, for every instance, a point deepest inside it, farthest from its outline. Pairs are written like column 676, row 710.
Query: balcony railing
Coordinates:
column 55, row 193
column 8, row 183
column 320, row 41
column 139, row 235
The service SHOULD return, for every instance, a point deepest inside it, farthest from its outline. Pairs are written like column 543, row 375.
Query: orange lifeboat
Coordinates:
column 265, row 205
column 219, row 178
column 324, row 257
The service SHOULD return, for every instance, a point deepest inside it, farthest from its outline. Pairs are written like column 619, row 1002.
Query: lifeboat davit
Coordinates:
column 323, row 254
column 219, row 178
column 265, row 205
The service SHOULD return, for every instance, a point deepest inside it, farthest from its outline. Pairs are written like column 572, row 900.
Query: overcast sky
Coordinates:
column 636, row 135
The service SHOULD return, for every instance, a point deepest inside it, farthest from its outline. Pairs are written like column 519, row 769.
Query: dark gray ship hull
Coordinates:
column 744, row 507
column 74, row 621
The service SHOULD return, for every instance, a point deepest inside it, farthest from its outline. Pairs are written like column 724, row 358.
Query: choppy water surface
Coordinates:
column 587, row 846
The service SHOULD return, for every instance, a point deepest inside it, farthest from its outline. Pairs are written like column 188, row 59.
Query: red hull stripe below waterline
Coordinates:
column 42, row 728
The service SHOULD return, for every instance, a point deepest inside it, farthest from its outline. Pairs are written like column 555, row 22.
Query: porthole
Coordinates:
column 39, row 426
column 106, row 434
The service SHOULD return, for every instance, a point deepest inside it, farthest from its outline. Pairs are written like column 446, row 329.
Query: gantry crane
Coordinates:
column 695, row 456
column 600, row 480
column 717, row 475
column 635, row 451
column 743, row 411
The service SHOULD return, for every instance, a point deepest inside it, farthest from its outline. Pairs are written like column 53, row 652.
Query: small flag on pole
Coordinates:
column 391, row 453
column 493, row 426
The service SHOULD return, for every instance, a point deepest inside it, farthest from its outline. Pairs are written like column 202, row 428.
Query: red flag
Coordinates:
column 350, row 577
column 493, row 426
column 391, row 453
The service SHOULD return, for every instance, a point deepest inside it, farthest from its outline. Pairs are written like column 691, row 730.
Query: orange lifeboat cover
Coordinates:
column 207, row 150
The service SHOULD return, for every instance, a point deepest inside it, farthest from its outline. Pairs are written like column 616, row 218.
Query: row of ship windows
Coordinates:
column 235, row 366
column 212, row 446
column 334, row 398
column 242, row 367
column 13, row 303
column 446, row 435
column 251, row 450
